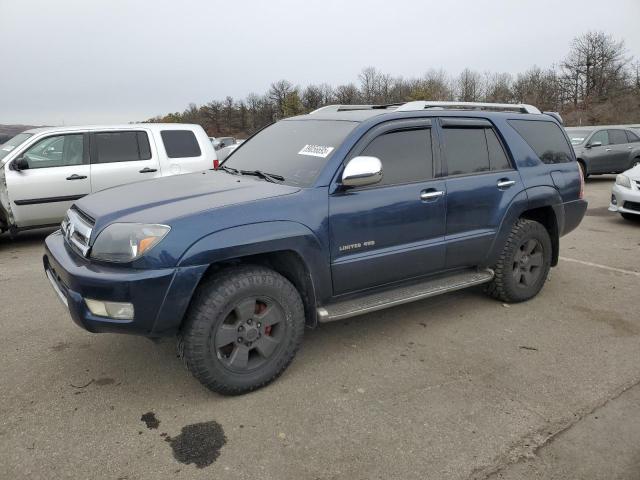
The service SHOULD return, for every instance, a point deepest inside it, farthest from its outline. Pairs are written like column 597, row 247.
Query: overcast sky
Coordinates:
column 96, row 61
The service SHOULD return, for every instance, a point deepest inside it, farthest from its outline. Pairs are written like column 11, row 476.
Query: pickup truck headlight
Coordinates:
column 623, row 181
column 124, row 242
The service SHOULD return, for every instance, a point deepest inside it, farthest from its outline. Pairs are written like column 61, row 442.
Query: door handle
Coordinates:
column 427, row 195
column 506, row 183
column 75, row 176
column 629, row 148
column 148, row 170
column 607, row 149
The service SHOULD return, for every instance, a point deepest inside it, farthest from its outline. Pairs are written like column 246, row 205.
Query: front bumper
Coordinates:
column 160, row 296
column 627, row 200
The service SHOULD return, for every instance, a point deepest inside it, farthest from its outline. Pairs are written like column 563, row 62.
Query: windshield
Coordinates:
column 7, row 147
column 578, row 136
column 294, row 149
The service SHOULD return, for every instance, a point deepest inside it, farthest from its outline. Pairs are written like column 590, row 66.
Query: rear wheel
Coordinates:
column 524, row 263
column 635, row 162
column 243, row 329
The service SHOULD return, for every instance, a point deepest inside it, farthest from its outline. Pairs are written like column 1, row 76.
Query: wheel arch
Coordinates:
column 542, row 204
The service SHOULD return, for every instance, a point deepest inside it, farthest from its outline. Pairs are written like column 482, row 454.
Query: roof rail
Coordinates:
column 349, row 108
column 513, row 107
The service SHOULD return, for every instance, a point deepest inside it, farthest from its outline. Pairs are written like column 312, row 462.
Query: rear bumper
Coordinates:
column 160, row 297
column 573, row 214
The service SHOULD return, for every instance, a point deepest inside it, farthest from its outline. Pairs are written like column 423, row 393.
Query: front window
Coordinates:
column 16, row 141
column 578, row 137
column 297, row 150
column 56, row 151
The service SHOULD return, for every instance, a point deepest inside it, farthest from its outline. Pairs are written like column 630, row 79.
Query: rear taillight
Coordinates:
column 581, row 195
column 216, row 164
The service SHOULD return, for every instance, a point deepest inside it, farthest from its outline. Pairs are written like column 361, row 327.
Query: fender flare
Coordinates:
column 528, row 199
column 263, row 238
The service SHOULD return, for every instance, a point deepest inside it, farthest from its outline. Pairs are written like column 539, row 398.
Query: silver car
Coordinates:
column 605, row 149
column 625, row 196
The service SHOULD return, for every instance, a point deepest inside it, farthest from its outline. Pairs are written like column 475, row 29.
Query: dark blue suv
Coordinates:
column 320, row 217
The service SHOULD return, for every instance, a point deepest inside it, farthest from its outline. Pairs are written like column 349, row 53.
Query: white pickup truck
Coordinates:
column 44, row 170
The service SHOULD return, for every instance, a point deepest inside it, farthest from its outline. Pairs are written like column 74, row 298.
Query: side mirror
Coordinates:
column 594, row 144
column 361, row 171
column 20, row 164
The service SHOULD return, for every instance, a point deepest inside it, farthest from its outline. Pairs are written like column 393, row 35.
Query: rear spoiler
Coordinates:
column 555, row 115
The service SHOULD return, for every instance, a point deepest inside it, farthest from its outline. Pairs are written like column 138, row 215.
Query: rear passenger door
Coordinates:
column 480, row 185
column 184, row 153
column 393, row 230
column 119, row 157
column 620, row 152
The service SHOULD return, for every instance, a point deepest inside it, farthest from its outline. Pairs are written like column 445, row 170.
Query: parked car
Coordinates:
column 317, row 218
column 225, row 145
column 605, row 149
column 625, row 195
column 44, row 170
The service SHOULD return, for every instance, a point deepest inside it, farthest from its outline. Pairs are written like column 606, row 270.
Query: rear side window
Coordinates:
column 632, row 137
column 545, row 138
column 473, row 150
column 617, row 137
column 406, row 156
column 121, row 147
column 180, row 143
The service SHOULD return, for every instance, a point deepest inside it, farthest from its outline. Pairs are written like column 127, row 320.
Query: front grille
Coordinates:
column 76, row 228
column 632, row 206
column 637, row 183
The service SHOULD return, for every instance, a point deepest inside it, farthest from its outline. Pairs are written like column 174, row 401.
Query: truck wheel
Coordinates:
column 242, row 330
column 524, row 263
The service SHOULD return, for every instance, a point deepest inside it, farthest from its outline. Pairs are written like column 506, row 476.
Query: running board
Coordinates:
column 398, row 296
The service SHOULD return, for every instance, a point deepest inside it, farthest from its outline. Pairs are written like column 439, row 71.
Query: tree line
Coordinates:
column 596, row 83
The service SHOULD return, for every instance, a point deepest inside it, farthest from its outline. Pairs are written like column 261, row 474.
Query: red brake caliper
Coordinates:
column 260, row 308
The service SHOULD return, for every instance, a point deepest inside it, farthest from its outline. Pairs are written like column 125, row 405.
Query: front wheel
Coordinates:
column 243, row 329
column 524, row 263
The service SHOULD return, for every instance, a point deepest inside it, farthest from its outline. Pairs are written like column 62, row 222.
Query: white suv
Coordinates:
column 44, row 170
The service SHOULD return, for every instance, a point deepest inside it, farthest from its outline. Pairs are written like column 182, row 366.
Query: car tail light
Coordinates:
column 216, row 164
column 581, row 194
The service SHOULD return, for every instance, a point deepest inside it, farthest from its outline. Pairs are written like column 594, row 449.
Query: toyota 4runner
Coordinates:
column 320, row 217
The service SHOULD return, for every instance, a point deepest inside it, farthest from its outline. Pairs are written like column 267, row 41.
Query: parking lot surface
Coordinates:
column 455, row 387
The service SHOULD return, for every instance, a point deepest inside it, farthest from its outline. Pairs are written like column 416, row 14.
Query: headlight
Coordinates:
column 623, row 181
column 124, row 242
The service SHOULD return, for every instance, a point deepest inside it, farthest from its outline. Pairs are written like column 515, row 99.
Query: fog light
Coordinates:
column 118, row 310
column 613, row 200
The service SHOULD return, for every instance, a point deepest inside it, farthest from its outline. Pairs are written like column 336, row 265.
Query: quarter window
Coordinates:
column 617, row 137
column 57, row 151
column 180, row 143
column 121, row 147
column 546, row 139
column 406, row 155
column 473, row 150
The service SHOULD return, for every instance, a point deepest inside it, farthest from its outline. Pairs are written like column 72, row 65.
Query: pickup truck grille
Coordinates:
column 76, row 228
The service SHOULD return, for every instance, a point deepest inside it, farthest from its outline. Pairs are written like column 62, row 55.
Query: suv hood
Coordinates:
column 161, row 200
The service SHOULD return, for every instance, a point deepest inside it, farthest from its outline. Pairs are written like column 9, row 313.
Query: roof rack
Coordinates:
column 421, row 105
column 511, row 107
column 350, row 108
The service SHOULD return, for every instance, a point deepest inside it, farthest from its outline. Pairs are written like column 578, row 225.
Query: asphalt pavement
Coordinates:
column 455, row 387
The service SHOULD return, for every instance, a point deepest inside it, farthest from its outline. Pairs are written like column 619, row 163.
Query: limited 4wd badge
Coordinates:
column 316, row 151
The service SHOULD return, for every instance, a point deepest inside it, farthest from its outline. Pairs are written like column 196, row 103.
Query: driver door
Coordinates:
column 57, row 174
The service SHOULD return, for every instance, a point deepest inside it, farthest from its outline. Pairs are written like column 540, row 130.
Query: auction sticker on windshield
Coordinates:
column 316, row 151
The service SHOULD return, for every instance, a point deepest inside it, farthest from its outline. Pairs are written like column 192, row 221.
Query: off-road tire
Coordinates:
column 213, row 301
column 504, row 285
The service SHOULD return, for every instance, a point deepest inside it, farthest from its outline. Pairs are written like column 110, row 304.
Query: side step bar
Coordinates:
column 398, row 296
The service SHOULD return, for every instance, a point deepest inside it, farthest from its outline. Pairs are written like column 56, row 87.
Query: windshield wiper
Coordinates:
column 269, row 177
column 232, row 171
